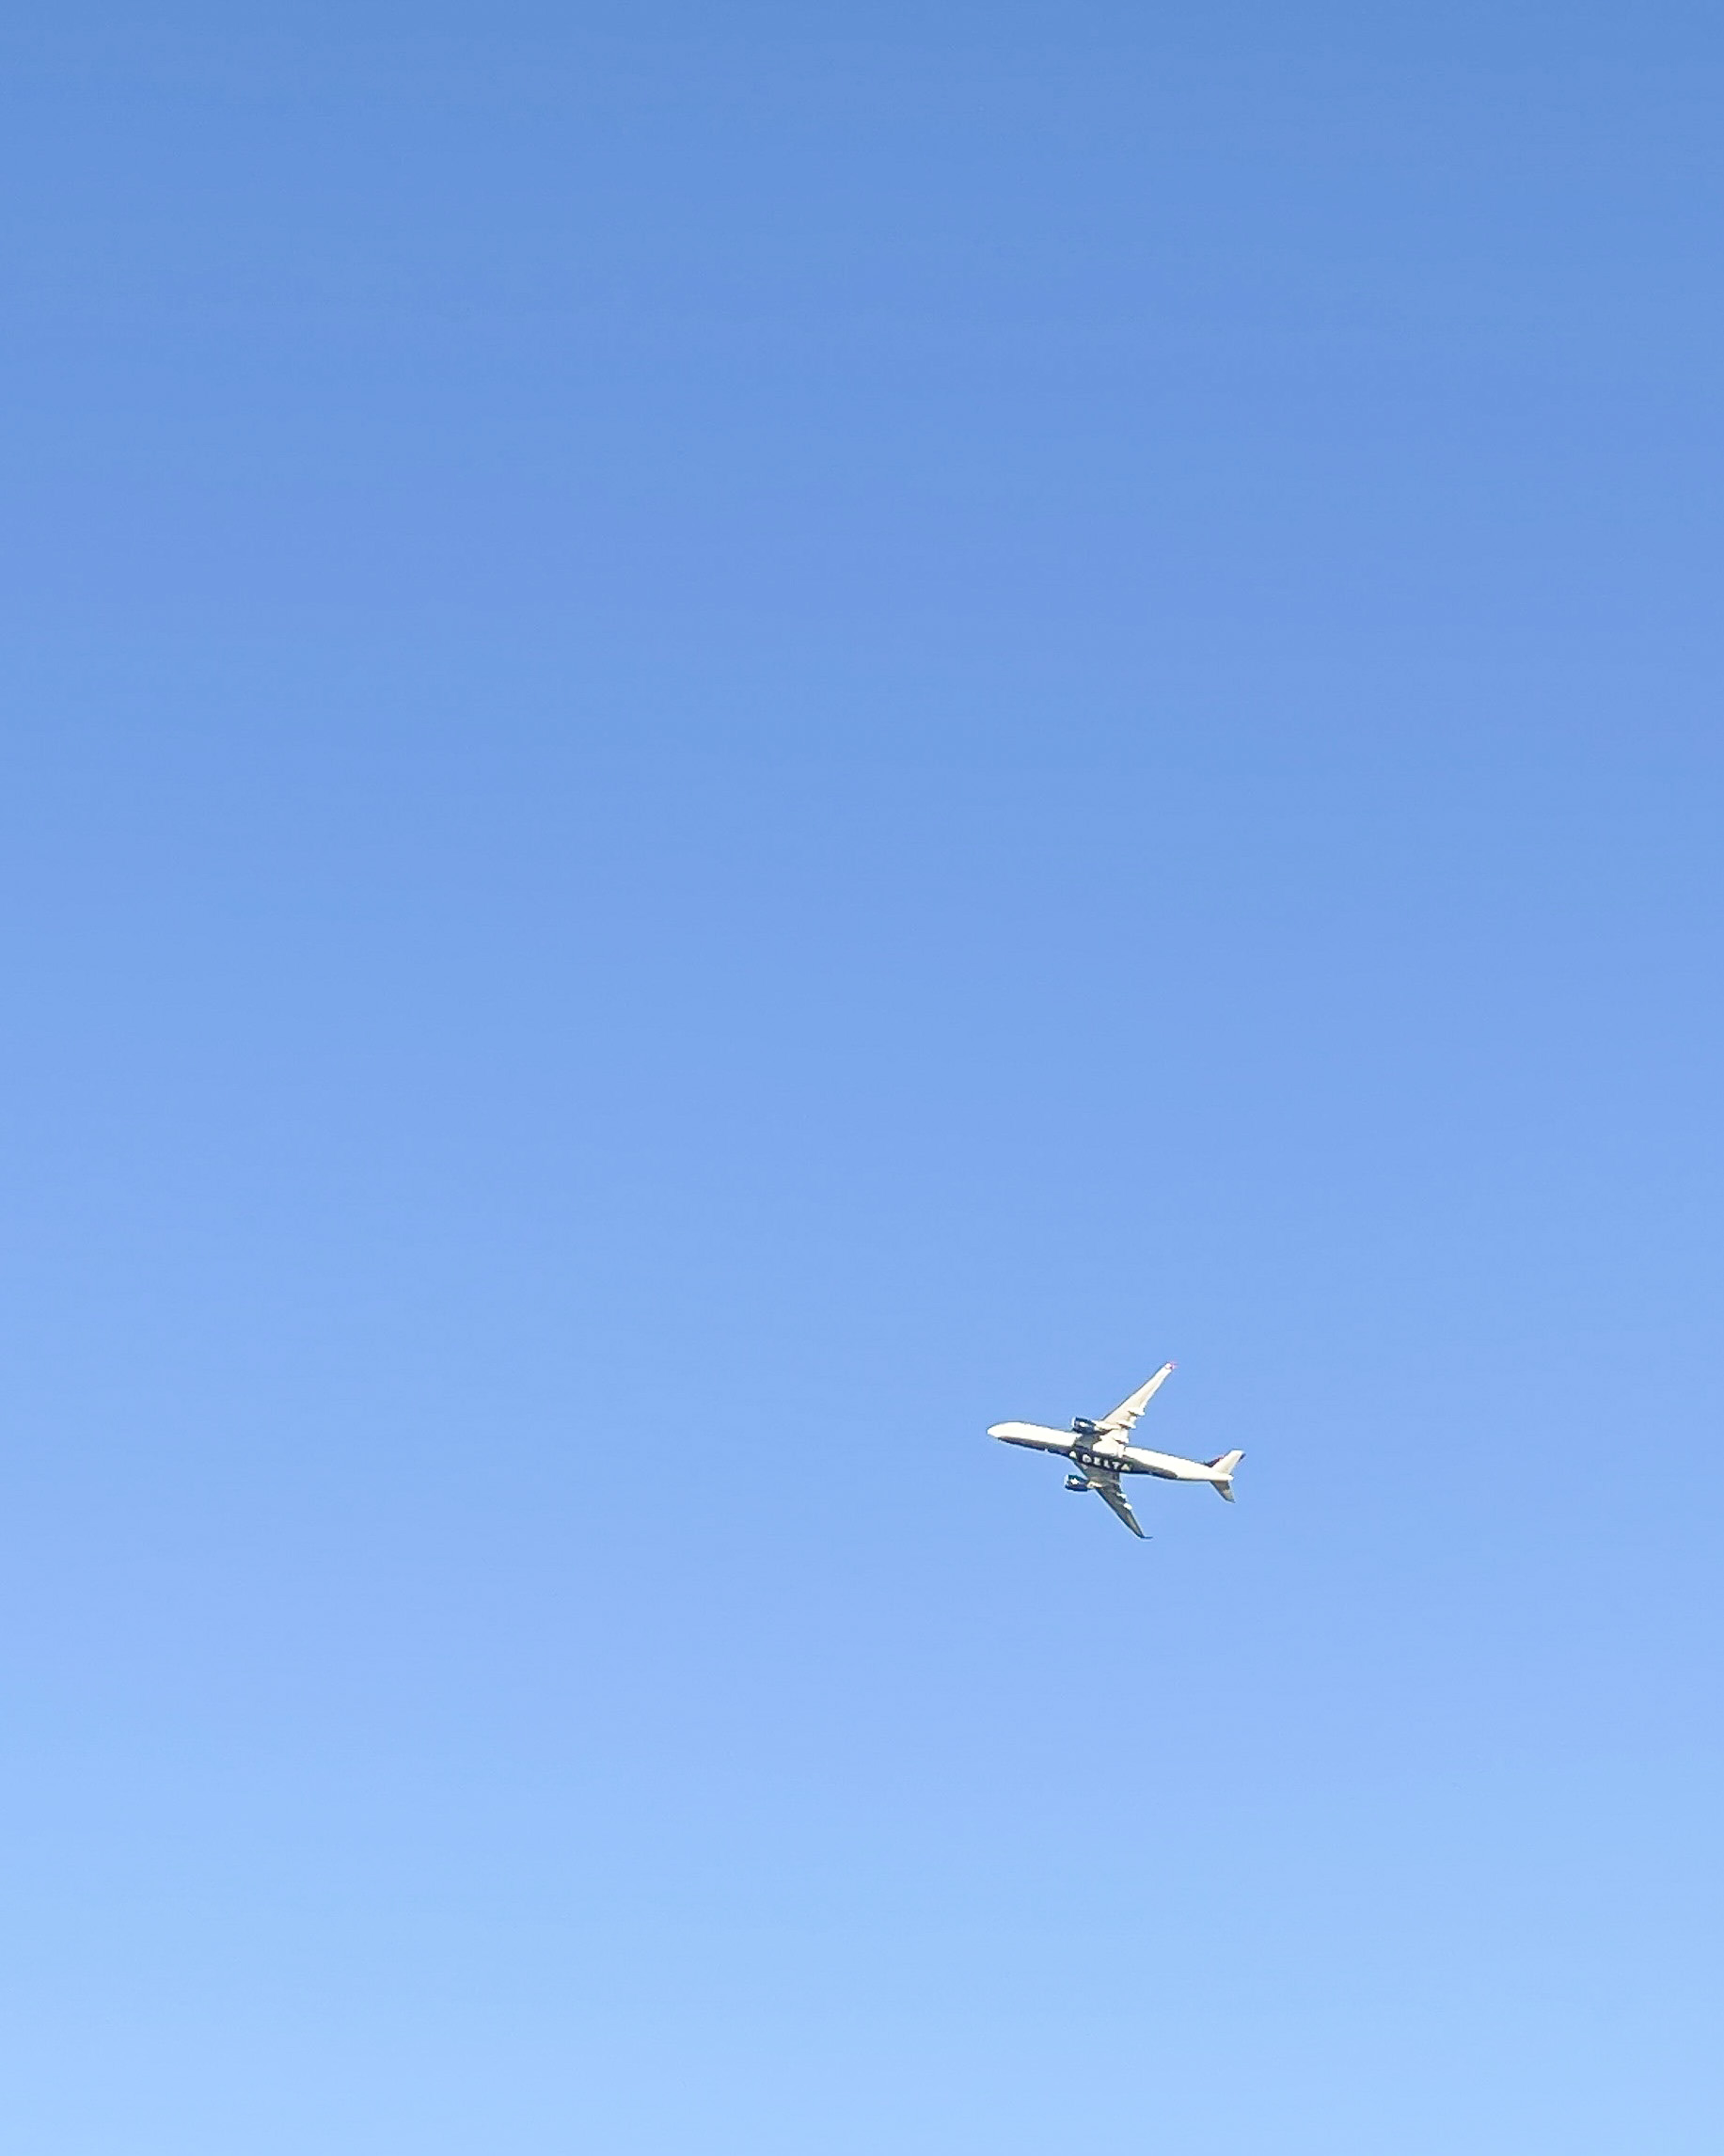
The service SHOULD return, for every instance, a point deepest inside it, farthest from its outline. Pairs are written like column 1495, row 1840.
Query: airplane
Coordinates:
column 1101, row 1452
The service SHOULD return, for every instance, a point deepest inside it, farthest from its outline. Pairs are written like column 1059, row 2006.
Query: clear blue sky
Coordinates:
column 735, row 737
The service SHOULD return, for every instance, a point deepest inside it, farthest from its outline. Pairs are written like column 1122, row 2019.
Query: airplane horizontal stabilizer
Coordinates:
column 1224, row 1464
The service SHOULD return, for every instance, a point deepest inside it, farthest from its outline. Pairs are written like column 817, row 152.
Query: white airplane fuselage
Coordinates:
column 1086, row 1452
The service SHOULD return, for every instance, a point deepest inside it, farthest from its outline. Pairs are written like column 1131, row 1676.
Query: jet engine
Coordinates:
column 1077, row 1482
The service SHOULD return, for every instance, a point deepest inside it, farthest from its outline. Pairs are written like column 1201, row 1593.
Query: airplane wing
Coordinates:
column 1107, row 1488
column 1127, row 1413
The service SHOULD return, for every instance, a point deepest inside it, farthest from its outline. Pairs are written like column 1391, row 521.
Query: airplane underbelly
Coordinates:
column 1167, row 1465
column 1032, row 1433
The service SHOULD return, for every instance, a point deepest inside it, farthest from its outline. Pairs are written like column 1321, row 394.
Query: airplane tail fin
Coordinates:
column 1224, row 1464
